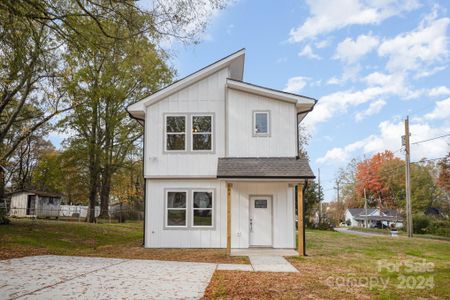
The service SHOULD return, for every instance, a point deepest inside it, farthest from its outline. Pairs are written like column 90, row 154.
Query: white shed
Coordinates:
column 30, row 203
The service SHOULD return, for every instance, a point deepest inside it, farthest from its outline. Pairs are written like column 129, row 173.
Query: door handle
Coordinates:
column 251, row 225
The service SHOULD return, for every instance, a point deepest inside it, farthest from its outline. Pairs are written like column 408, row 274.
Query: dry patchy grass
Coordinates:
column 27, row 237
column 334, row 255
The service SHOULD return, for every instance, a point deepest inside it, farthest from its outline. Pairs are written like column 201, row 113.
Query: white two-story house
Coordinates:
column 221, row 161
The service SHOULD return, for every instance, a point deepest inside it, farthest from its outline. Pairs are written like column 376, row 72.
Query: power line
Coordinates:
column 432, row 139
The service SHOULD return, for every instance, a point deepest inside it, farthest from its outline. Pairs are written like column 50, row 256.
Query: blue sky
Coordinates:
column 370, row 63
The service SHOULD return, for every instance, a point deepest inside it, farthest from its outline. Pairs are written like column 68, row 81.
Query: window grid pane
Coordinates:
column 176, row 124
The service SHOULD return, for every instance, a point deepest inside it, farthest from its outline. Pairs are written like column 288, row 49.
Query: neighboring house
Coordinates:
column 220, row 161
column 30, row 203
column 374, row 217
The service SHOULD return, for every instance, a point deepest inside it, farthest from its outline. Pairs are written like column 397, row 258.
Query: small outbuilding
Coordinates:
column 31, row 203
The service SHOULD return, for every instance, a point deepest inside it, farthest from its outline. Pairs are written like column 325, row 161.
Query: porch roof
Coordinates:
column 264, row 168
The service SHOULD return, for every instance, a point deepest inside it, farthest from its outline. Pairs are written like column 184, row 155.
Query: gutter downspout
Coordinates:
column 298, row 123
column 143, row 172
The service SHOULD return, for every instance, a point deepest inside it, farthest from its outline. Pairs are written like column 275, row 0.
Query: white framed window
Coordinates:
column 175, row 132
column 202, row 132
column 176, row 208
column 261, row 123
column 202, row 208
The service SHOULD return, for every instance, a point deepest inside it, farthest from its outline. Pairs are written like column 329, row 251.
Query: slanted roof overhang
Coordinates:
column 302, row 103
column 234, row 61
column 264, row 168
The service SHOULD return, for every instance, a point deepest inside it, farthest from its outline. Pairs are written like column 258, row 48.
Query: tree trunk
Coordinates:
column 104, row 193
column 94, row 165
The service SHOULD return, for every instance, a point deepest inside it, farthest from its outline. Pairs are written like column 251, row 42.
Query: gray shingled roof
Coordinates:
column 264, row 167
column 359, row 214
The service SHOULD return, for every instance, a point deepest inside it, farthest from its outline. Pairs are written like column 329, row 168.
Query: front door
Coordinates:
column 31, row 205
column 261, row 221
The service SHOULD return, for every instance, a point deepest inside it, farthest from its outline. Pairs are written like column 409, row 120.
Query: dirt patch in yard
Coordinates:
column 190, row 255
column 309, row 283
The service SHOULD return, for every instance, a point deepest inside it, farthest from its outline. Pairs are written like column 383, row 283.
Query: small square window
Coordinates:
column 261, row 124
column 260, row 203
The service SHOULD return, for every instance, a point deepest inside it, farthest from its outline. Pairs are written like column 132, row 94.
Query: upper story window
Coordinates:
column 202, row 133
column 261, row 123
column 175, row 133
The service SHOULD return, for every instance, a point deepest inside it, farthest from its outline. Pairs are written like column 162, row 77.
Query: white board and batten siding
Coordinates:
column 283, row 222
column 281, row 141
column 157, row 236
column 206, row 96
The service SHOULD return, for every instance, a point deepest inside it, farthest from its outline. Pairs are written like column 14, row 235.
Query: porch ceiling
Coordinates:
column 264, row 168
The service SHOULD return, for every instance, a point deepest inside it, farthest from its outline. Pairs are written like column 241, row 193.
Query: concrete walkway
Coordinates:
column 69, row 277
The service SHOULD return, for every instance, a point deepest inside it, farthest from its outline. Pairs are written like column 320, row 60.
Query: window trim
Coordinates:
column 186, row 128
column 192, row 133
column 269, row 123
column 213, row 206
column 166, row 208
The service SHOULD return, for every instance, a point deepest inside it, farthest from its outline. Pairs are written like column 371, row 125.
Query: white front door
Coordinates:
column 260, row 221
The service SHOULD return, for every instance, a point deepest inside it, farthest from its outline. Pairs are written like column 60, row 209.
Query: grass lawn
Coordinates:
column 339, row 265
column 399, row 232
column 25, row 237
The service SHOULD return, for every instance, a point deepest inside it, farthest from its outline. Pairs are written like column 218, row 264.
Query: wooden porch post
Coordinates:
column 300, row 226
column 229, row 186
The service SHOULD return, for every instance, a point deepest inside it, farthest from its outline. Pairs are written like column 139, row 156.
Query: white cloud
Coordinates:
column 429, row 72
column 309, row 52
column 295, row 84
column 439, row 91
column 350, row 51
column 419, row 48
column 389, row 138
column 350, row 73
column 327, row 16
column 374, row 108
column 441, row 111
column 379, row 85
column 322, row 44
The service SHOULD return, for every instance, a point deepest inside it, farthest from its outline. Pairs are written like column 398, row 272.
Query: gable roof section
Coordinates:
column 234, row 61
column 301, row 102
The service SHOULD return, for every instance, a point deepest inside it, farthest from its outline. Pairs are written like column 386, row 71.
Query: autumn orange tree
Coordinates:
column 376, row 175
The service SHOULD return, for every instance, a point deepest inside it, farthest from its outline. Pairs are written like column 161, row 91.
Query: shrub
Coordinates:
column 421, row 224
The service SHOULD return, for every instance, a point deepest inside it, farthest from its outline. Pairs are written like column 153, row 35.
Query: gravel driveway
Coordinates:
column 69, row 277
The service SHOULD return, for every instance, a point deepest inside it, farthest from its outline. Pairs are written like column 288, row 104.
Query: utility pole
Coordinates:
column 365, row 209
column 320, row 198
column 337, row 188
column 405, row 141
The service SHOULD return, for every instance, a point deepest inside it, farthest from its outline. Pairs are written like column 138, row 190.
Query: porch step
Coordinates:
column 262, row 263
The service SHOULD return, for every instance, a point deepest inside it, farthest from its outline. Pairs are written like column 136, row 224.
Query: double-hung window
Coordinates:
column 190, row 208
column 202, row 127
column 175, row 133
column 202, row 208
column 261, row 123
column 176, row 204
